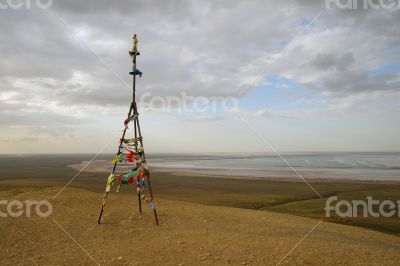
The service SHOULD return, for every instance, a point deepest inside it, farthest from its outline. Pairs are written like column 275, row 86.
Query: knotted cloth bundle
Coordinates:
column 130, row 119
column 138, row 173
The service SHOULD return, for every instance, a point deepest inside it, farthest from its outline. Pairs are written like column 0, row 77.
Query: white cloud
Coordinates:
column 255, row 114
column 206, row 118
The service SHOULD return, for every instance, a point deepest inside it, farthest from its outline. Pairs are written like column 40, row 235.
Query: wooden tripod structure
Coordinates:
column 141, row 173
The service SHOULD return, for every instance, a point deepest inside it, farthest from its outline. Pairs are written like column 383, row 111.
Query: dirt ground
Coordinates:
column 189, row 234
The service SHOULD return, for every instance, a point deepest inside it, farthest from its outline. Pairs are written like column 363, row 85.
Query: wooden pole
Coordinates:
column 148, row 175
column 134, row 123
column 121, row 140
column 140, row 202
column 103, row 204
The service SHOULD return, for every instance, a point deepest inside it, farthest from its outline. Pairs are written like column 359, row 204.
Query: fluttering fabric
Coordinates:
column 130, row 119
column 130, row 152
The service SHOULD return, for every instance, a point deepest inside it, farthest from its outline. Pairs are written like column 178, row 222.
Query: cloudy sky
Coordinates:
column 305, row 77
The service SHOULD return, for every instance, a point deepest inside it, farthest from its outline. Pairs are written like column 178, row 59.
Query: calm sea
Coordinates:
column 356, row 166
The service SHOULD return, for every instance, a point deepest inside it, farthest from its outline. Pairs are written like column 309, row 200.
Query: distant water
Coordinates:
column 350, row 166
column 346, row 166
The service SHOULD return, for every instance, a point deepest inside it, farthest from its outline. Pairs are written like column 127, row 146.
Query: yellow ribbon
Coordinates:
column 110, row 182
column 135, row 43
column 117, row 159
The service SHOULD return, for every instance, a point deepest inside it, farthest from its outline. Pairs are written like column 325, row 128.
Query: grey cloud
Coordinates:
column 124, row 7
column 182, row 53
column 328, row 61
column 353, row 82
column 13, row 118
column 203, row 48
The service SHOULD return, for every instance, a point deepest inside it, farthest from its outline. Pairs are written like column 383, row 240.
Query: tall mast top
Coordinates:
column 133, row 54
column 135, row 43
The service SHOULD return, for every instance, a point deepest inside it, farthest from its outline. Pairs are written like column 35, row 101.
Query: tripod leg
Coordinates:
column 140, row 202
column 155, row 212
column 153, row 206
column 102, row 207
